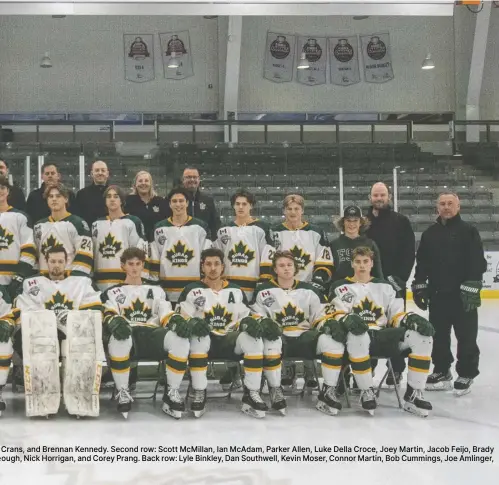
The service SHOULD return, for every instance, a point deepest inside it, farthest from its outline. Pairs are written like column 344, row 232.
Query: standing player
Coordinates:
column 66, row 230
column 377, row 325
column 176, row 247
column 139, row 324
column 222, row 328
column 111, row 236
column 7, row 327
column 448, row 279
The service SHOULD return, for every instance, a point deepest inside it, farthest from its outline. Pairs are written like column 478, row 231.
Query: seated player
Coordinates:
column 297, row 306
column 376, row 324
column 7, row 327
column 139, row 323
column 60, row 294
column 222, row 329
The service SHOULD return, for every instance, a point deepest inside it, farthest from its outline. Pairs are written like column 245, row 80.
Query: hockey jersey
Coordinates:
column 73, row 233
column 376, row 302
column 309, row 247
column 244, row 248
column 296, row 310
column 110, row 238
column 17, row 248
column 141, row 305
column 222, row 309
column 71, row 293
column 176, row 254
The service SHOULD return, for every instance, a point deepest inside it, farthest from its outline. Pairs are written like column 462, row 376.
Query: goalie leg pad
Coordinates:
column 41, row 362
column 83, row 363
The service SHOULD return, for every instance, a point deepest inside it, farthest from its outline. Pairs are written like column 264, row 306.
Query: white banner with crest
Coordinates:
column 344, row 60
column 377, row 58
column 139, row 57
column 315, row 49
column 279, row 57
column 176, row 51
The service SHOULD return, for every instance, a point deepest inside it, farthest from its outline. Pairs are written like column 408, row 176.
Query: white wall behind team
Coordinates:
column 88, row 73
column 412, row 89
column 489, row 98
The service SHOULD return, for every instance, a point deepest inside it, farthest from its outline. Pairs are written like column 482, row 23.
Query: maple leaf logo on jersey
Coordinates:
column 301, row 257
column 240, row 255
column 368, row 311
column 179, row 255
column 138, row 312
column 289, row 316
column 6, row 238
column 51, row 242
column 109, row 248
column 218, row 316
column 58, row 303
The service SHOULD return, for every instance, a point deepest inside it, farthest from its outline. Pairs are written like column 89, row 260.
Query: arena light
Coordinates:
column 428, row 62
column 46, row 62
column 303, row 64
column 173, row 63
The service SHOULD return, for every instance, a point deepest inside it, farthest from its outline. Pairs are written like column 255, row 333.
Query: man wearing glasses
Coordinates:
column 201, row 206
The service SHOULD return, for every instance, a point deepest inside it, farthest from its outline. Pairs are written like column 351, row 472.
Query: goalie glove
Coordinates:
column 252, row 327
column 199, row 327
column 119, row 327
column 15, row 286
column 335, row 328
column 421, row 295
column 6, row 330
column 180, row 326
column 354, row 324
column 270, row 329
column 413, row 321
column 470, row 295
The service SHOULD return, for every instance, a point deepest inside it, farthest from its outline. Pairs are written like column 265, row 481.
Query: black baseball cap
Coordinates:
column 352, row 211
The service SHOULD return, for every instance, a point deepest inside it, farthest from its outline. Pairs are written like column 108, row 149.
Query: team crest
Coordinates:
column 269, row 301
column 38, row 232
column 202, row 206
column 301, row 257
column 345, row 294
column 276, row 240
column 95, row 231
column 59, row 303
column 179, row 255
column 368, row 311
column 138, row 312
column 110, row 247
column 218, row 316
column 199, row 302
column 34, row 291
column 85, row 225
column 376, row 49
column 50, row 242
column 289, row 316
column 240, row 255
column 6, row 238
column 343, row 51
column 121, row 298
column 280, row 48
column 155, row 208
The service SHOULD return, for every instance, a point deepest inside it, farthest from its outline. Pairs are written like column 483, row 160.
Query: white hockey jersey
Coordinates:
column 376, row 302
column 73, row 233
column 296, row 310
column 309, row 247
column 176, row 254
column 17, row 248
column 110, row 238
column 244, row 248
column 222, row 309
column 71, row 293
column 141, row 305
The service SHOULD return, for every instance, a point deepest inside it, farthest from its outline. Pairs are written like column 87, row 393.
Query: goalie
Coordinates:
column 6, row 330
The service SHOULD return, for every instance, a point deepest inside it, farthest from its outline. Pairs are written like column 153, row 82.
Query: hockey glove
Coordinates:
column 199, row 327
column 413, row 321
column 252, row 327
column 120, row 329
column 421, row 295
column 270, row 329
column 6, row 330
column 180, row 326
column 334, row 328
column 354, row 324
column 15, row 286
column 470, row 295
column 319, row 284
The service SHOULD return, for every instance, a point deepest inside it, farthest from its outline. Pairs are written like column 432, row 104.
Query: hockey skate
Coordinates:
column 277, row 400
column 439, row 381
column 415, row 402
column 173, row 404
column 253, row 405
column 368, row 400
column 231, row 380
column 124, row 401
column 462, row 386
column 288, row 379
column 391, row 383
column 2, row 402
column 198, row 403
column 329, row 402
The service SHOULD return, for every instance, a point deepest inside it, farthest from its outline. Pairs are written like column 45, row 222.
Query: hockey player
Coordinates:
column 7, row 327
column 222, row 328
column 376, row 324
column 113, row 234
column 17, row 249
column 60, row 294
column 176, row 247
column 64, row 229
column 139, row 322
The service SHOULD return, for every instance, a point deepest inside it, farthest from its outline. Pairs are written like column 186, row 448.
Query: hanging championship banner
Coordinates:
column 139, row 57
column 176, row 53
column 377, row 58
column 279, row 57
column 344, row 60
column 316, row 53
